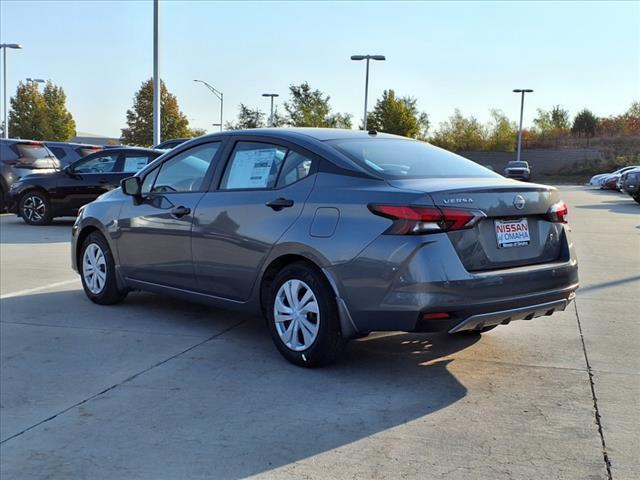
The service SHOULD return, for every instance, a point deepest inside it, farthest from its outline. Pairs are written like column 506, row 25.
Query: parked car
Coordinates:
column 38, row 198
column 621, row 178
column 517, row 170
column 598, row 180
column 632, row 184
column 19, row 158
column 169, row 144
column 610, row 183
column 330, row 234
column 70, row 152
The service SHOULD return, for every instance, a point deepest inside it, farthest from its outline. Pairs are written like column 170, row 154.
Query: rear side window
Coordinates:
column 253, row 165
column 84, row 151
column 134, row 163
column 295, row 168
column 186, row 171
column 397, row 158
column 59, row 152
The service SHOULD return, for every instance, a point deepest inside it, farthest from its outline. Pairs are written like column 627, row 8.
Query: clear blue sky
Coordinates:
column 466, row 55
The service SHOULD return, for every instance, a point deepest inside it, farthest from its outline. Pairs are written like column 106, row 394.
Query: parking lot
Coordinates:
column 156, row 388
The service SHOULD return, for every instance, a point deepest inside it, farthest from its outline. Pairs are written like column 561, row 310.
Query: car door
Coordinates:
column 154, row 239
column 260, row 195
column 85, row 180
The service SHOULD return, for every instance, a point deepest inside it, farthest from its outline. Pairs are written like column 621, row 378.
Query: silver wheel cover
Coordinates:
column 297, row 315
column 33, row 208
column 94, row 268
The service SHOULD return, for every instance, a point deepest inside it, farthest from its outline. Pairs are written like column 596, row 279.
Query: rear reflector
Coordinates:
column 435, row 316
column 416, row 220
column 558, row 212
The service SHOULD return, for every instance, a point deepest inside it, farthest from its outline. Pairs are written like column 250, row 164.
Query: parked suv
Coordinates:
column 631, row 184
column 330, row 234
column 40, row 198
column 70, row 152
column 19, row 158
column 517, row 170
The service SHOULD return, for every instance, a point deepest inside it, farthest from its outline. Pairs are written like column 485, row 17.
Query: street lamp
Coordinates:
column 366, row 81
column 272, row 95
column 521, row 91
column 4, row 47
column 35, row 80
column 218, row 94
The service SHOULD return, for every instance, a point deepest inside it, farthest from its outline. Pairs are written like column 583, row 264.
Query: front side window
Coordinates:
column 253, row 165
column 104, row 163
column 186, row 171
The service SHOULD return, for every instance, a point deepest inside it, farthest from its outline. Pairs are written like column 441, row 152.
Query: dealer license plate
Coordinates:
column 512, row 233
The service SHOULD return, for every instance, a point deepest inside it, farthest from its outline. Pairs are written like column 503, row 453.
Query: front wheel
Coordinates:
column 35, row 208
column 98, row 273
column 636, row 197
column 303, row 316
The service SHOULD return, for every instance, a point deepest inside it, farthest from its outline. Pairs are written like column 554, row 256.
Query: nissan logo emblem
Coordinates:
column 519, row 202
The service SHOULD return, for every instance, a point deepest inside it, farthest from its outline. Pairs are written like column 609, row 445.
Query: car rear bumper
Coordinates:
column 390, row 288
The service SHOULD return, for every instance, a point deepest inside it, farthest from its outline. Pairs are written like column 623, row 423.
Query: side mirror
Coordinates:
column 132, row 186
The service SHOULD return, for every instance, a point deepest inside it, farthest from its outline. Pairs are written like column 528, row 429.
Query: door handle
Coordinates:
column 180, row 211
column 280, row 203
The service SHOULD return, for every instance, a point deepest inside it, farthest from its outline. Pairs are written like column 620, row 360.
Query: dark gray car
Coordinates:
column 330, row 234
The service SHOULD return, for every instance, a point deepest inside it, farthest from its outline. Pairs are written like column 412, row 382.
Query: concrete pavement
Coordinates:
column 157, row 388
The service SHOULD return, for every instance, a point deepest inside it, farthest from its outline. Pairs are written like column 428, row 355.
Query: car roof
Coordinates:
column 133, row 149
column 71, row 144
column 293, row 133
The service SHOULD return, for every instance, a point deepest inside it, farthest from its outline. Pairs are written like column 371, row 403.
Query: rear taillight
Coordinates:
column 414, row 220
column 558, row 212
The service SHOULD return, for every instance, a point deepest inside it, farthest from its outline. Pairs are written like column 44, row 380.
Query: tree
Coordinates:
column 543, row 123
column 585, row 124
column 460, row 133
column 197, row 132
column 173, row 123
column 61, row 125
column 560, row 118
column 398, row 115
column 502, row 132
column 310, row 108
column 247, row 118
column 41, row 116
column 28, row 118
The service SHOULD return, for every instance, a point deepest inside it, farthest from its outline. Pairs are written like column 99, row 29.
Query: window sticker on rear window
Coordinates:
column 253, row 168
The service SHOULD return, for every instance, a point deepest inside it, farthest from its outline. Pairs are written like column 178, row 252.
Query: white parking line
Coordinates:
column 37, row 289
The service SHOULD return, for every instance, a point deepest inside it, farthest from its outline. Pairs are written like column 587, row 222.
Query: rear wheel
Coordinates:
column 98, row 273
column 636, row 197
column 35, row 208
column 303, row 316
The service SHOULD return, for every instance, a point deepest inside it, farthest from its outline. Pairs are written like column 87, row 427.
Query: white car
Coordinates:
column 598, row 180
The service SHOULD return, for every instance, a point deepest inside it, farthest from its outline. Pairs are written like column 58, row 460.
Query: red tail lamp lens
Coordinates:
column 415, row 220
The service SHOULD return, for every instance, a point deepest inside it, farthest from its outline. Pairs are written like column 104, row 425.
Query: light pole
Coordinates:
column 156, row 77
column 522, row 91
column 4, row 47
column 366, row 81
column 218, row 94
column 272, row 95
column 35, row 80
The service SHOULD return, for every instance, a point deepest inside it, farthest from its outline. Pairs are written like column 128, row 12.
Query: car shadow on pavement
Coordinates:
column 229, row 407
column 623, row 204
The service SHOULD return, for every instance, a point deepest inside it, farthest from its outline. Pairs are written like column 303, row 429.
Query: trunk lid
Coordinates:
column 509, row 206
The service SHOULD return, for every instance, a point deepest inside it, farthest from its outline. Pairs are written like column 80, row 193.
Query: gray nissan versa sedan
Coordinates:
column 330, row 234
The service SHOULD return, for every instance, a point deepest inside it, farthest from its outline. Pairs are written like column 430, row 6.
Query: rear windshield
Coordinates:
column 33, row 151
column 84, row 151
column 397, row 158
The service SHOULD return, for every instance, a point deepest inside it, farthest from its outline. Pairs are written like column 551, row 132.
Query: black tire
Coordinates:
column 3, row 203
column 636, row 197
column 328, row 342
column 35, row 208
column 109, row 293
